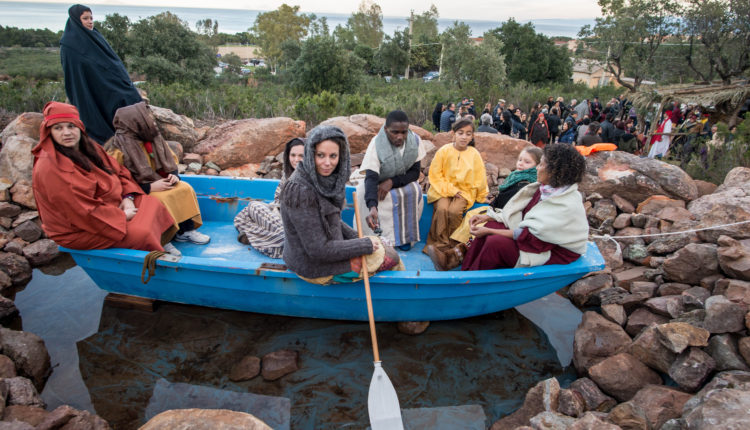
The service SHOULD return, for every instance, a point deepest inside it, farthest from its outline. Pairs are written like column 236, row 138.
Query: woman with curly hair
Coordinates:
column 544, row 223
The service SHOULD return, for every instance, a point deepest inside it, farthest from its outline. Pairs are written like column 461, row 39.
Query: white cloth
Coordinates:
column 661, row 146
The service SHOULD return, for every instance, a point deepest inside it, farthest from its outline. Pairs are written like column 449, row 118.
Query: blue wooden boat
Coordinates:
column 227, row 274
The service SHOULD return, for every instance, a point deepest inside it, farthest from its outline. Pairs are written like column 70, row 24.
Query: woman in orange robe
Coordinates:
column 86, row 200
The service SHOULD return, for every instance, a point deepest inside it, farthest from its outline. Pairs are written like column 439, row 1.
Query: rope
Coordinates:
column 149, row 263
column 606, row 236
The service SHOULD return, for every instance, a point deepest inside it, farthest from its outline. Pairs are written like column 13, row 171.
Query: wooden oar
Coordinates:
column 382, row 401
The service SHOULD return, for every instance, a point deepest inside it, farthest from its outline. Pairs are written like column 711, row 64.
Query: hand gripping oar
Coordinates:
column 382, row 401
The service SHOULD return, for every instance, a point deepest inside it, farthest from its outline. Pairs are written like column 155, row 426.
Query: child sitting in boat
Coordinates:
column 318, row 246
column 544, row 223
column 86, row 199
column 259, row 223
column 139, row 147
column 457, row 180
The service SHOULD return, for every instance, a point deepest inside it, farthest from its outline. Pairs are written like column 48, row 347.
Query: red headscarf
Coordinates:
column 54, row 113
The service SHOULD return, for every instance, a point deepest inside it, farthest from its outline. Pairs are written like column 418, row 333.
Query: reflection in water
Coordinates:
column 489, row 361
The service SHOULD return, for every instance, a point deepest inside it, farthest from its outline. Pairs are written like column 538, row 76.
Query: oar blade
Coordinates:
column 382, row 402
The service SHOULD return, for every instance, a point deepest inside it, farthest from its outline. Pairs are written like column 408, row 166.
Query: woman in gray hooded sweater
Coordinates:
column 318, row 244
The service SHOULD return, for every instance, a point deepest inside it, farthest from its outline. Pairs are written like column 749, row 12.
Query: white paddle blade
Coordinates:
column 382, row 402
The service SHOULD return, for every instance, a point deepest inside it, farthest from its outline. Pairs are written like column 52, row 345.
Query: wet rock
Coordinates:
column 624, row 278
column 413, row 327
column 610, row 251
column 41, row 252
column 642, row 318
column 541, row 397
column 16, row 267
column 8, row 310
column 669, row 306
column 676, row 336
column 648, row 348
column 734, row 257
column 28, row 231
column 219, row 419
column 67, row 418
column 595, row 339
column 30, row 415
column 9, row 210
column 628, row 415
column 669, row 244
column 248, row 368
column 723, row 316
column 590, row 421
column 692, row 263
column 695, row 297
column 615, row 313
column 279, row 363
column 622, row 221
column 28, row 352
column 175, row 127
column 725, row 406
column 660, row 404
column 571, row 403
column 549, row 420
column 691, row 369
column 21, row 391
column 584, row 292
column 16, row 159
column 622, row 375
column 593, row 397
column 723, row 349
column 22, row 193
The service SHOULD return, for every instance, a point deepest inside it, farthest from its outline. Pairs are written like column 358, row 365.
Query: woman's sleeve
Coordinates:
column 129, row 186
column 438, row 178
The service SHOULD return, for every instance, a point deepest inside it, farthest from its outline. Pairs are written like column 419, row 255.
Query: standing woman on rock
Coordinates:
column 139, row 147
column 86, row 199
column 96, row 81
column 318, row 246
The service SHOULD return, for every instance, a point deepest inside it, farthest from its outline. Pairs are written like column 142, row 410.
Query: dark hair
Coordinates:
column 463, row 122
column 594, row 127
column 287, row 151
column 84, row 155
column 565, row 165
column 620, row 124
column 396, row 116
column 342, row 147
column 439, row 107
column 586, row 121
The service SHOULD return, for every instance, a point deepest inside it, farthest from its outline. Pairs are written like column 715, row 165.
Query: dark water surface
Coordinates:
column 109, row 360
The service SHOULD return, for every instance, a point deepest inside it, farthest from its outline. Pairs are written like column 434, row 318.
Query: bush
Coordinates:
column 712, row 164
column 28, row 95
column 34, row 63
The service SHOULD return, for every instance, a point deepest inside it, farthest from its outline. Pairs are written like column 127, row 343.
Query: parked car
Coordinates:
column 431, row 76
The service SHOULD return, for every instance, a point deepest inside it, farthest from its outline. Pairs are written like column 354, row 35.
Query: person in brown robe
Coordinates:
column 86, row 200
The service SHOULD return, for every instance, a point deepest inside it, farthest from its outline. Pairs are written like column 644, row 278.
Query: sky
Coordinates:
column 497, row 10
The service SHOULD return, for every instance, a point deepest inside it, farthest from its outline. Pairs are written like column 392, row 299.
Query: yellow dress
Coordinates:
column 454, row 171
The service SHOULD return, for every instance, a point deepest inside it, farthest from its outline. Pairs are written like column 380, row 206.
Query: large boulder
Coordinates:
column 175, row 127
column 692, row 263
column 597, row 338
column 27, row 124
column 235, row 143
column 29, row 353
column 635, row 178
column 730, row 203
column 204, row 419
column 16, row 160
column 361, row 128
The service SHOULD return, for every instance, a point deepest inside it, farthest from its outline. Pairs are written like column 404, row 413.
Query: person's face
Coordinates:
column 517, row 112
column 523, row 117
column 462, row 137
column 296, row 154
column 542, row 175
column 525, row 161
column 511, row 107
column 452, row 107
column 87, row 19
column 326, row 157
column 397, row 132
column 66, row 134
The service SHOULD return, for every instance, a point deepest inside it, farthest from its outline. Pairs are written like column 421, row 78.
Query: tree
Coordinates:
column 530, row 56
column 208, row 29
column 425, row 51
column 393, row 53
column 274, row 27
column 324, row 65
column 629, row 35
column 115, row 29
column 485, row 65
column 345, row 37
column 367, row 24
column 722, row 29
column 456, row 45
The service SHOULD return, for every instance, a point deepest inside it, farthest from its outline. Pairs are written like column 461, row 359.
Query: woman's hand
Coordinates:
column 479, row 231
column 129, row 208
column 162, row 185
column 478, row 219
column 130, row 213
column 173, row 179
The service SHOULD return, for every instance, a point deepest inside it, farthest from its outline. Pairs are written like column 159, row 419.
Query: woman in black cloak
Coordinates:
column 96, row 81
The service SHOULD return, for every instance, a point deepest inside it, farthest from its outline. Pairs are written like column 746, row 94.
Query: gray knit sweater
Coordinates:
column 317, row 242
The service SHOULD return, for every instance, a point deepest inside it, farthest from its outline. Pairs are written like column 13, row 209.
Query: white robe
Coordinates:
column 661, row 146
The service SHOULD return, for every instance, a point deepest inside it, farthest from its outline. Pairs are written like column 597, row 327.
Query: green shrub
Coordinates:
column 712, row 164
column 34, row 63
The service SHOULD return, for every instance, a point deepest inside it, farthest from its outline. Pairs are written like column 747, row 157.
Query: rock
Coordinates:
column 691, row 369
column 624, row 278
column 638, row 220
column 692, row 263
column 31, row 415
column 623, row 239
column 16, row 160
column 21, row 391
column 26, row 216
column 669, row 244
column 622, row 375
column 549, row 420
column 621, row 297
column 413, row 327
column 176, row 147
column 615, row 313
column 645, row 288
column 642, row 318
column 671, row 288
column 542, row 397
column 595, row 339
column 248, row 368
column 660, row 404
column 16, row 267
column 41, row 252
column 723, row 349
column 604, row 209
column 676, row 336
column 279, row 363
column 590, row 421
column 622, row 221
column 635, row 253
column 656, row 203
column 725, row 406
column 28, row 352
column 593, row 397
column 571, row 403
column 28, row 231
column 200, row 419
column 7, row 367
column 15, row 246
column 239, row 142
column 623, row 204
column 194, row 167
column 5, row 185
column 738, row 292
column 584, row 292
column 648, row 348
column 628, row 415
column 694, row 318
column 9, row 210
column 723, row 316
column 704, row 187
column 191, row 157
column 27, row 124
column 5, row 280
column 610, row 251
column 245, row 171
column 8, row 310
column 726, row 205
column 175, row 127
column 361, row 128
column 734, row 379
column 6, row 222
column 675, row 214
column 212, row 165
column 669, row 306
column 635, row 178
column 695, row 297
column 710, row 281
column 22, row 193
column 67, row 418
column 734, row 257
column 743, row 346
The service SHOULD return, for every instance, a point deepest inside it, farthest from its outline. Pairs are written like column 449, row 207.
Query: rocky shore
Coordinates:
column 663, row 342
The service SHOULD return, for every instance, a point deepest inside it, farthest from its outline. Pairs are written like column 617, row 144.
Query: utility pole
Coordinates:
column 440, row 67
column 408, row 55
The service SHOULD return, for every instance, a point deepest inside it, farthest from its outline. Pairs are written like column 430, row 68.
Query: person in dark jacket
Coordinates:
column 608, row 130
column 96, row 81
column 553, row 120
column 506, row 127
column 436, row 115
column 448, row 117
column 592, row 135
column 486, row 124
